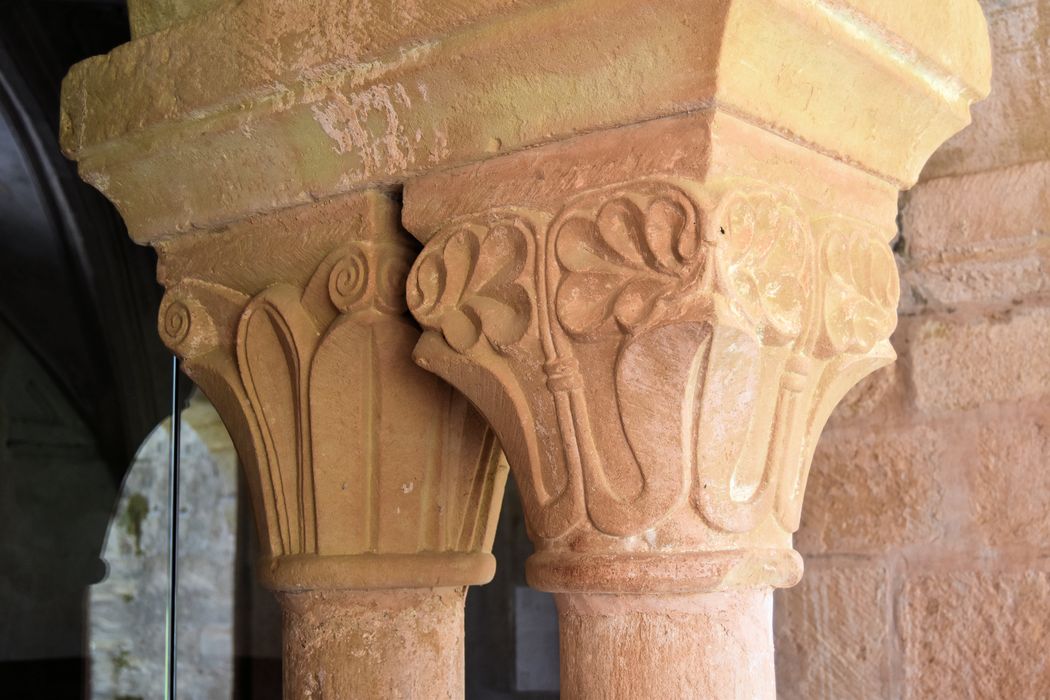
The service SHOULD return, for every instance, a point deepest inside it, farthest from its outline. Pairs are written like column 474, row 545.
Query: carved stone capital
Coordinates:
column 656, row 257
column 658, row 357
column 365, row 472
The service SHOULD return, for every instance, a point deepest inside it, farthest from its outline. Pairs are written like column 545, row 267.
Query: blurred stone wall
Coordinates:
column 127, row 636
column 926, row 528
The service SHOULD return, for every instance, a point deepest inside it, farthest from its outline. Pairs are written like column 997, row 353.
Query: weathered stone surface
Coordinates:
column 147, row 16
column 976, row 635
column 878, row 396
column 832, row 632
column 715, row 645
column 365, row 473
column 974, row 236
column 961, row 363
column 396, row 644
column 657, row 352
column 870, row 490
column 1001, row 277
column 981, row 238
column 1010, row 127
column 569, row 309
column 986, row 212
column 399, row 466
column 1010, row 486
column 657, row 255
column 335, row 97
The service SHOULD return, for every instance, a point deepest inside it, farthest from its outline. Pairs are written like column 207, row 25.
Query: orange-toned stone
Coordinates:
column 334, row 96
column 712, row 645
column 375, row 486
column 1010, row 487
column 973, row 253
column 961, row 634
column 400, row 644
column 987, row 212
column 1009, row 127
column 656, row 258
column 848, row 658
column 878, row 396
column 616, row 340
column 960, row 363
column 148, row 16
column 657, row 322
column 1002, row 277
column 875, row 489
column 978, row 239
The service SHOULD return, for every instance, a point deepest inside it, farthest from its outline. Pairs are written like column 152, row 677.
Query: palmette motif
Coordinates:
column 469, row 289
column 307, row 380
column 693, row 300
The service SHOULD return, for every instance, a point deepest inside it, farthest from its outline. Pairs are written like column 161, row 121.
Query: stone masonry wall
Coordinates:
column 127, row 636
column 926, row 530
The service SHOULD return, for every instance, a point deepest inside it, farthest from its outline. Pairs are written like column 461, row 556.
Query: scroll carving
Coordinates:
column 349, row 447
column 863, row 287
column 689, row 343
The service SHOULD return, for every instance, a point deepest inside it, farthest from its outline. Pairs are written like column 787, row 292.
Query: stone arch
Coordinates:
column 126, row 629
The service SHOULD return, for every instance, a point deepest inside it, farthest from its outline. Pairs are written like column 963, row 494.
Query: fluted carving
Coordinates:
column 350, row 449
column 658, row 359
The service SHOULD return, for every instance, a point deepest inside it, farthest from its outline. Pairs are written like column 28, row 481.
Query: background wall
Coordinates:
column 127, row 611
column 83, row 375
column 926, row 528
column 55, row 499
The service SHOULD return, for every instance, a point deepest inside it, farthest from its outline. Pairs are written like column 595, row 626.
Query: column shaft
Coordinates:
column 713, row 646
column 403, row 643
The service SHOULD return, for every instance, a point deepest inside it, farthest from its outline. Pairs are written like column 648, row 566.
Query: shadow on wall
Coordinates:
column 511, row 629
column 56, row 492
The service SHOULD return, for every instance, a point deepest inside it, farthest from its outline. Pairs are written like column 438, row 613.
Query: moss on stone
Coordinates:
column 134, row 513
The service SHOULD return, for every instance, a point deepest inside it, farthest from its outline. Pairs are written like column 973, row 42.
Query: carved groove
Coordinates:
column 667, row 307
column 304, row 378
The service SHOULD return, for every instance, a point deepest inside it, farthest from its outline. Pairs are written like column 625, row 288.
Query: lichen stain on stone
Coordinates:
column 121, row 661
column 134, row 513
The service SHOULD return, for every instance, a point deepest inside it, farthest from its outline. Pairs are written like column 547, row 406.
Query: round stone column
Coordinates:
column 716, row 646
column 375, row 486
column 402, row 643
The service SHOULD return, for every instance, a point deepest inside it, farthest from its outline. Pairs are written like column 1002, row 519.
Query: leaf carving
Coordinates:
column 863, row 289
column 624, row 258
column 469, row 286
column 276, row 339
column 763, row 253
